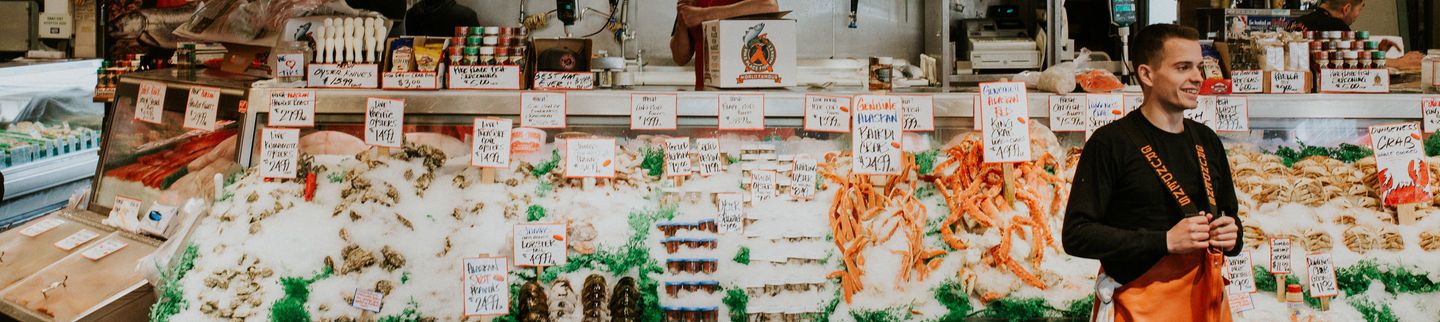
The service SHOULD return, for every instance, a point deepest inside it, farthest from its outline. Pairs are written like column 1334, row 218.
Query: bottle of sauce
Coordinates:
column 1295, row 302
column 880, row 69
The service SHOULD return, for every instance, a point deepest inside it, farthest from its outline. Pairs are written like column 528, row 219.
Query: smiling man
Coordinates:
column 1146, row 194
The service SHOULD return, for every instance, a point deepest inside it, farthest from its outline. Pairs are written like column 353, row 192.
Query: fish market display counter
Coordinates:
column 49, row 135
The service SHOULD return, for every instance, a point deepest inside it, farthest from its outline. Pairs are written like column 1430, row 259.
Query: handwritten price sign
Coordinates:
column 653, row 111
column 486, row 77
column 1204, row 111
column 1280, row 256
column 384, row 119
column 677, row 157
column 803, row 176
column 1430, row 112
column 742, row 111
column 590, row 158
column 344, row 76
column 292, row 108
column 1101, row 109
column 539, row 245
column 763, row 185
column 201, row 107
column 731, row 207
column 1232, row 114
column 486, row 286
column 1321, row 275
column 876, row 142
column 918, row 113
column 150, row 102
column 490, row 147
column 1287, row 82
column 708, row 153
column 827, row 113
column 542, row 110
column 1247, row 81
column 279, row 153
column 1006, row 115
column 1067, row 113
column 1242, row 277
column 564, row 80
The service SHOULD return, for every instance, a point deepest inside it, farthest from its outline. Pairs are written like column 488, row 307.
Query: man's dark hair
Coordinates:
column 1149, row 44
column 1337, row 4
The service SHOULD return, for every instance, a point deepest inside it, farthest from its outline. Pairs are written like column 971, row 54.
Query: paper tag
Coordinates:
column 1287, row 82
column 707, row 151
column 917, row 113
column 368, row 300
column 1241, row 274
column 1354, row 81
column 538, row 245
column 1274, row 58
column 1280, row 256
column 677, row 157
column 1232, row 114
column 279, row 153
column 201, row 107
column 742, row 111
column 126, row 210
column 490, row 143
column 106, row 248
column 1247, row 81
column 564, row 80
column 157, row 220
column 384, row 119
column 150, row 102
column 1102, row 109
column 1397, row 152
column 41, row 227
column 292, row 108
column 344, row 76
column 803, row 176
column 410, row 80
column 762, row 185
column 1133, row 102
column 876, row 141
column 732, row 212
column 76, row 239
column 590, row 158
column 1321, row 275
column 1067, row 113
column 827, row 113
column 1430, row 112
column 542, row 110
column 1204, row 111
column 486, row 286
column 509, row 77
column 653, row 111
column 290, row 65
column 1006, row 114
column 1241, row 302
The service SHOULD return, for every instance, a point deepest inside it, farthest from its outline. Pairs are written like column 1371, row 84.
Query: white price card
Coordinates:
column 876, row 140
column 78, row 238
column 384, row 122
column 653, row 111
column 1232, row 114
column 677, row 157
column 1006, row 115
column 732, row 211
column 1204, row 111
column 803, row 177
column 1320, row 272
column 539, row 245
column 1101, row 109
column 410, row 80
column 490, row 143
column 590, row 158
column 1280, row 256
column 290, row 65
column 486, row 286
column 543, row 110
column 1133, row 102
column 707, row 151
column 1398, row 151
column 41, row 227
column 1240, row 273
column 1354, row 81
column 201, row 107
column 1430, row 112
column 917, row 113
column 827, row 113
column 150, row 102
column 763, row 185
column 344, row 76
column 742, row 111
column 1247, row 81
column 487, row 77
column 368, row 300
column 279, row 153
column 564, row 80
column 1287, row 82
column 106, row 248
column 1067, row 113
column 1241, row 302
column 125, row 211
column 292, row 108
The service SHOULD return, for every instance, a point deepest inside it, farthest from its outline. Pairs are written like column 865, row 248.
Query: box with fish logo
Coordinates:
column 753, row 52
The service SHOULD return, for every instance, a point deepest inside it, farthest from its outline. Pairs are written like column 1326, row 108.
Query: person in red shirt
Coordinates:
column 687, row 42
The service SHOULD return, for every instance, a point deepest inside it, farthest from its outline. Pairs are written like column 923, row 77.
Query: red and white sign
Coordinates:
column 292, row 108
column 917, row 113
column 490, row 143
column 384, row 122
column 827, row 113
column 150, row 102
column 486, row 285
column 201, row 108
column 1400, row 162
column 279, row 153
column 543, row 110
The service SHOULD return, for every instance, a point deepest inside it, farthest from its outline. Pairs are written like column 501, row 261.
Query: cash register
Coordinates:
column 998, row 42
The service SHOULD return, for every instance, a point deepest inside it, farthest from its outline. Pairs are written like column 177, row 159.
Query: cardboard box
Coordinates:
column 413, row 79
column 750, row 53
column 551, row 68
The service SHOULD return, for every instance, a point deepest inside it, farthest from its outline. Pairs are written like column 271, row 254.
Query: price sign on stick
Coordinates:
column 490, row 146
column 1430, row 112
column 368, row 300
column 1232, row 114
column 876, row 141
column 292, row 108
column 279, row 153
column 762, row 185
column 1280, row 256
column 201, row 107
column 1006, row 115
column 542, row 110
column 824, row 113
column 1397, row 154
column 1242, row 276
column 1321, row 275
column 539, row 245
column 384, row 121
column 590, row 158
column 708, row 153
column 486, row 286
column 653, row 111
column 918, row 113
column 803, row 176
column 1067, row 113
column 677, row 157
column 731, row 207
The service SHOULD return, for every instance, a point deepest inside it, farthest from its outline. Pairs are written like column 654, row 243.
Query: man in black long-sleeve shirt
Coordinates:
column 1143, row 204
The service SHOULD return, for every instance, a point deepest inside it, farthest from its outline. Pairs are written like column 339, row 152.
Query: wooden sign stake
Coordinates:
column 1008, row 170
column 1407, row 214
column 587, row 183
column 487, row 175
column 1280, row 287
column 1325, row 303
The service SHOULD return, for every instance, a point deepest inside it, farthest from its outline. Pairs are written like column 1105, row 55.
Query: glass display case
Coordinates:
column 940, row 241
column 49, row 135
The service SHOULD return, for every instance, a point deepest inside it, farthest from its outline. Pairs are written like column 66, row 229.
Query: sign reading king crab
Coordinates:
column 1403, row 174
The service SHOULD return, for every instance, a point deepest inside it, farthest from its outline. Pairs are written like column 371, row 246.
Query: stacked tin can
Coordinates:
column 488, row 45
column 1344, row 50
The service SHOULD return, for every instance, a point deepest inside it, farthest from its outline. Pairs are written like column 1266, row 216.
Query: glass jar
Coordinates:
column 289, row 61
column 1429, row 68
